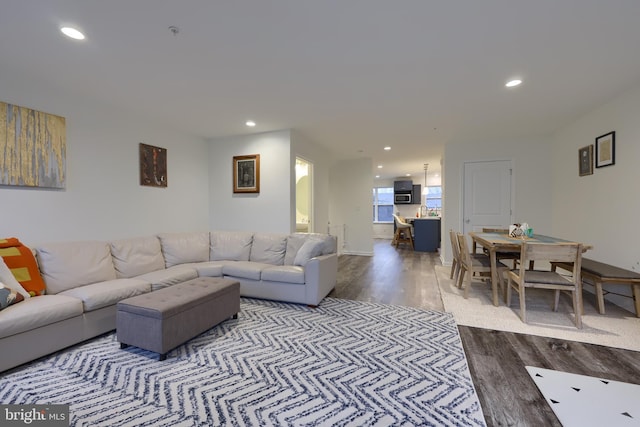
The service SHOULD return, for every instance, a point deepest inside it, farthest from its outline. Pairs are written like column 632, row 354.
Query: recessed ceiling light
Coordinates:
column 72, row 33
column 408, row 174
column 387, row 148
column 379, row 166
column 514, row 83
column 377, row 176
column 250, row 123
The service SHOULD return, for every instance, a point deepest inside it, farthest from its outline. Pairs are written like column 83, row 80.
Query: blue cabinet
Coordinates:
column 416, row 194
column 426, row 234
column 403, row 186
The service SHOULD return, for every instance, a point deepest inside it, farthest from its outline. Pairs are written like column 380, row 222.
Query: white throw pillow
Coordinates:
column 311, row 248
column 7, row 277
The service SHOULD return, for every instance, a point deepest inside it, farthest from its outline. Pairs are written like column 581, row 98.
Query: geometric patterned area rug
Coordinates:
column 346, row 363
column 582, row 401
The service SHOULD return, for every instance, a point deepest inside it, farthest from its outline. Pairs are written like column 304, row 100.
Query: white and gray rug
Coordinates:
column 582, row 401
column 617, row 328
column 345, row 363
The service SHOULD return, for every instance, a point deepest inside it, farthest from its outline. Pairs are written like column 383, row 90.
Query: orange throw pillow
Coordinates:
column 22, row 264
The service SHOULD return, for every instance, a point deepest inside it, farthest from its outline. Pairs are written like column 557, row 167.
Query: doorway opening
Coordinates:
column 304, row 196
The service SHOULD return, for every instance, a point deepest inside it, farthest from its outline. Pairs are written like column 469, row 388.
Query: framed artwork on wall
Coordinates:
column 585, row 160
column 246, row 174
column 606, row 150
column 33, row 148
column 153, row 166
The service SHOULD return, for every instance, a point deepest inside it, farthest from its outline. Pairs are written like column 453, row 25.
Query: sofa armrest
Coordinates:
column 320, row 276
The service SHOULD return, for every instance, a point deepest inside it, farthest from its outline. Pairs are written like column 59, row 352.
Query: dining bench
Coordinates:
column 598, row 273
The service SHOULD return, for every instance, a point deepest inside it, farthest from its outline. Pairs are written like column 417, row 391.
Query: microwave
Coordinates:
column 402, row 198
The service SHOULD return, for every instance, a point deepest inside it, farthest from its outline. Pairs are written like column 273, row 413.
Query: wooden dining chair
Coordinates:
column 455, row 250
column 522, row 278
column 512, row 256
column 475, row 266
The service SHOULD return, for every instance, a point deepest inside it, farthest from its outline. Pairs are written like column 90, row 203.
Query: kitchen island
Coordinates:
column 426, row 233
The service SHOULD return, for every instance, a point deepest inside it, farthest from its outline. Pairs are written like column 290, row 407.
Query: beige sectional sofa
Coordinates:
column 85, row 280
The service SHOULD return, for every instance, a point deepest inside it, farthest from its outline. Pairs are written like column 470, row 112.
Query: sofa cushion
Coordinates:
column 283, row 273
column 33, row 313
column 9, row 296
column 268, row 248
column 103, row 294
column 181, row 248
column 296, row 240
column 244, row 269
column 71, row 264
column 136, row 256
column 9, row 279
column 171, row 276
column 311, row 248
column 230, row 245
column 207, row 269
column 22, row 264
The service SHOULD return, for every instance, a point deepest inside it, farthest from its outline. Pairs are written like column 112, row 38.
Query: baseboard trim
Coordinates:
column 357, row 253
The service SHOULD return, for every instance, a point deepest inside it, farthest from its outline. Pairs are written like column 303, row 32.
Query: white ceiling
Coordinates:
column 353, row 75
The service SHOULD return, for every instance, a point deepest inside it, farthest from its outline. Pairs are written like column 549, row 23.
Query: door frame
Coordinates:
column 312, row 225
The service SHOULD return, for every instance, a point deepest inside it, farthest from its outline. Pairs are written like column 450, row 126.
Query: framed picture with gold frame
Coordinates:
column 246, row 174
column 606, row 150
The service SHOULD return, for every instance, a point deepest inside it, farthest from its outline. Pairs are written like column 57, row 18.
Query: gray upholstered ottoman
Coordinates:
column 164, row 319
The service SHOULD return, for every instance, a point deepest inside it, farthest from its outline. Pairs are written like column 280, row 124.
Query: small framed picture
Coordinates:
column 585, row 160
column 246, row 174
column 606, row 150
column 153, row 166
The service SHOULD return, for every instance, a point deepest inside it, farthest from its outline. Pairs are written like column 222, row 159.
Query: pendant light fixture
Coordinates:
column 424, row 190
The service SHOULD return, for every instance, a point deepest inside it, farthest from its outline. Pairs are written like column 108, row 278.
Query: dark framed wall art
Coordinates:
column 246, row 174
column 153, row 166
column 585, row 160
column 606, row 150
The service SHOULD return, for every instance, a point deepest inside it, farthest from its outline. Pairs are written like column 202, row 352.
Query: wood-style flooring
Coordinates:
column 496, row 359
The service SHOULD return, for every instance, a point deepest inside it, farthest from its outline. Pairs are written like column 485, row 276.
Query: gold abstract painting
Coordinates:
column 32, row 148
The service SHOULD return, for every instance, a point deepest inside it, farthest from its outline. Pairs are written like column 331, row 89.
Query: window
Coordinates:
column 434, row 200
column 383, row 204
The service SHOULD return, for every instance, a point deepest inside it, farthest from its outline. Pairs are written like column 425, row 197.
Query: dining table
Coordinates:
column 503, row 242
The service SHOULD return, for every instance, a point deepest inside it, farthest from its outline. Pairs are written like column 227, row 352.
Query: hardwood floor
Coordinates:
column 496, row 359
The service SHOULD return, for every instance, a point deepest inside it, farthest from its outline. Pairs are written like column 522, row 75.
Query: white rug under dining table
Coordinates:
column 617, row 328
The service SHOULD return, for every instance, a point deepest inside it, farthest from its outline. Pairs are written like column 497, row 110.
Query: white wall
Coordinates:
column 321, row 160
column 601, row 209
column 103, row 197
column 271, row 210
column 532, row 170
column 350, row 205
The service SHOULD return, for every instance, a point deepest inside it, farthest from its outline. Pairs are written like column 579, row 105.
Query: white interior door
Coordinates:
column 487, row 195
